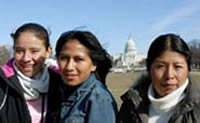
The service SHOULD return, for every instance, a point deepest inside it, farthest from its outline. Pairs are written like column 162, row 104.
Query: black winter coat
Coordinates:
column 15, row 109
column 55, row 98
column 134, row 108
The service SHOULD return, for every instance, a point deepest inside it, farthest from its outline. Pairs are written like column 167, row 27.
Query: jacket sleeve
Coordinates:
column 192, row 116
column 102, row 110
column 121, row 116
column 127, row 114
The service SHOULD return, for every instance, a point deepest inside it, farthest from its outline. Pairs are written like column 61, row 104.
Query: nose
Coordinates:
column 170, row 73
column 70, row 65
column 26, row 56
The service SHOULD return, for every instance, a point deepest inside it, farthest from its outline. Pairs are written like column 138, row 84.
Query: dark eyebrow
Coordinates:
column 35, row 48
column 159, row 60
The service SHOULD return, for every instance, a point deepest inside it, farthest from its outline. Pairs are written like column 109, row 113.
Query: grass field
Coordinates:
column 118, row 83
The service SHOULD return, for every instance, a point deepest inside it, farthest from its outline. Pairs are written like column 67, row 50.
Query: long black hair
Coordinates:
column 97, row 53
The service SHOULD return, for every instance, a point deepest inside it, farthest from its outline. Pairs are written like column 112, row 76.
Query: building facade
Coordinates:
column 130, row 58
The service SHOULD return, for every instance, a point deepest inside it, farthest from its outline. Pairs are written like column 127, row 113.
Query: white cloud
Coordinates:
column 177, row 15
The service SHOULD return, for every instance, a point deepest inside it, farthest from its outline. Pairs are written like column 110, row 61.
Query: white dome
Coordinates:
column 130, row 47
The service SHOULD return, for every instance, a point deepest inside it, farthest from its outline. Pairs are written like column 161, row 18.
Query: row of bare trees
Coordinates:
column 5, row 54
column 195, row 48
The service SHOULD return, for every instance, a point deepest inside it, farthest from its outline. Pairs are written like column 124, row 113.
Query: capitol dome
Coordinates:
column 130, row 47
column 130, row 57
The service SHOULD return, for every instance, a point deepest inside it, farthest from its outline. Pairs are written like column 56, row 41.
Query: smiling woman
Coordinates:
column 75, row 63
column 84, row 65
column 25, row 78
column 30, row 53
column 166, row 90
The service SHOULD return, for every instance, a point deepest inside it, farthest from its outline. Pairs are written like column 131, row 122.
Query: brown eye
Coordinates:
column 160, row 66
column 79, row 59
column 63, row 57
column 35, row 51
column 178, row 66
column 19, row 51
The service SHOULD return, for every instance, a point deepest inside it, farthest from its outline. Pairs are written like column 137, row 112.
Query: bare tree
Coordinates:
column 4, row 54
column 195, row 48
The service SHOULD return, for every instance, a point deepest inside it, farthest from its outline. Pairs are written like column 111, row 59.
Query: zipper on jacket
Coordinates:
column 4, row 99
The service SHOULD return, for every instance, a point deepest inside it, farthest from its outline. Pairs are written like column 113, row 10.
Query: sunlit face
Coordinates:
column 30, row 54
column 75, row 63
column 168, row 72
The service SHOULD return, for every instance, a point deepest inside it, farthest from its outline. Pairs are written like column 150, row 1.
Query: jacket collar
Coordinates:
column 8, row 68
column 192, row 99
column 85, row 87
column 88, row 83
column 9, row 75
column 136, row 97
column 139, row 101
column 134, row 94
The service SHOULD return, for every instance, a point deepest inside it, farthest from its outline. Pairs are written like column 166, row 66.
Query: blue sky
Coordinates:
column 112, row 21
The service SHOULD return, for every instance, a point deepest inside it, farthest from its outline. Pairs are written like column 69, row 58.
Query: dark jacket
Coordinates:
column 15, row 109
column 134, row 108
column 55, row 98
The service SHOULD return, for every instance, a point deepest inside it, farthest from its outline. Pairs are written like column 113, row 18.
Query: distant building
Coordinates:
column 130, row 53
column 51, row 62
column 130, row 58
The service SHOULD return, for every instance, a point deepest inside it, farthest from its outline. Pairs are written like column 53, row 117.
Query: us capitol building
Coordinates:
column 130, row 58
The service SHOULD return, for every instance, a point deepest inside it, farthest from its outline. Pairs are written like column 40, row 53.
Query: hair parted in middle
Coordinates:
column 97, row 53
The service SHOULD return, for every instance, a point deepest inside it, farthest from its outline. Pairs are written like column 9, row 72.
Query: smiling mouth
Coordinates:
column 27, row 68
column 26, row 65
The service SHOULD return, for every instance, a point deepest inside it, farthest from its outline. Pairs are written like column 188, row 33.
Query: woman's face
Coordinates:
column 30, row 53
column 168, row 72
column 75, row 63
